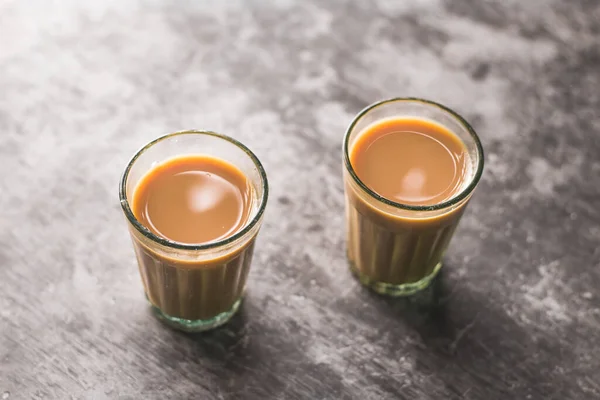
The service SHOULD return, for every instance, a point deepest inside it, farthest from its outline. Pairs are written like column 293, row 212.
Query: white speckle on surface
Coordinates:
column 402, row 7
column 332, row 117
column 545, row 177
column 587, row 295
column 573, row 216
column 471, row 43
column 542, row 176
column 530, row 237
column 543, row 295
column 496, row 168
column 320, row 22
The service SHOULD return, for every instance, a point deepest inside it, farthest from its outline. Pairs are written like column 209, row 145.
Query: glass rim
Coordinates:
column 466, row 191
column 183, row 246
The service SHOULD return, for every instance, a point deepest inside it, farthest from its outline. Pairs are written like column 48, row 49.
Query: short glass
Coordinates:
column 397, row 249
column 194, row 287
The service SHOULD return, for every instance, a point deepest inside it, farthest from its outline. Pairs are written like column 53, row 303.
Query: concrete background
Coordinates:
column 516, row 314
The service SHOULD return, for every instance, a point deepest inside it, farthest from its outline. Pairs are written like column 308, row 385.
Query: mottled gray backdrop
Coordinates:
column 84, row 84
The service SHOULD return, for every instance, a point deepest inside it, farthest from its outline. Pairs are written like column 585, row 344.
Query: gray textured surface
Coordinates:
column 84, row 84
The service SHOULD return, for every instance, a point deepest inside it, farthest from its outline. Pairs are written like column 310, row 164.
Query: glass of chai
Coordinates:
column 194, row 203
column 411, row 167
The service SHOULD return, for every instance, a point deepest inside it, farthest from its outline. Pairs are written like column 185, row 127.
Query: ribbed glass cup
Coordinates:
column 397, row 249
column 194, row 287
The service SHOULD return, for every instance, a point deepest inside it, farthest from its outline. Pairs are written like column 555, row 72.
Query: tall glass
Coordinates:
column 195, row 287
column 397, row 249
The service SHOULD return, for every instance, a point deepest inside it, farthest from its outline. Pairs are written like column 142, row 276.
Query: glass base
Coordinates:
column 395, row 290
column 196, row 325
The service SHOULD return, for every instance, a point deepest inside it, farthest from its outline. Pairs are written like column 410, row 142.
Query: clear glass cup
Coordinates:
column 194, row 287
column 397, row 249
